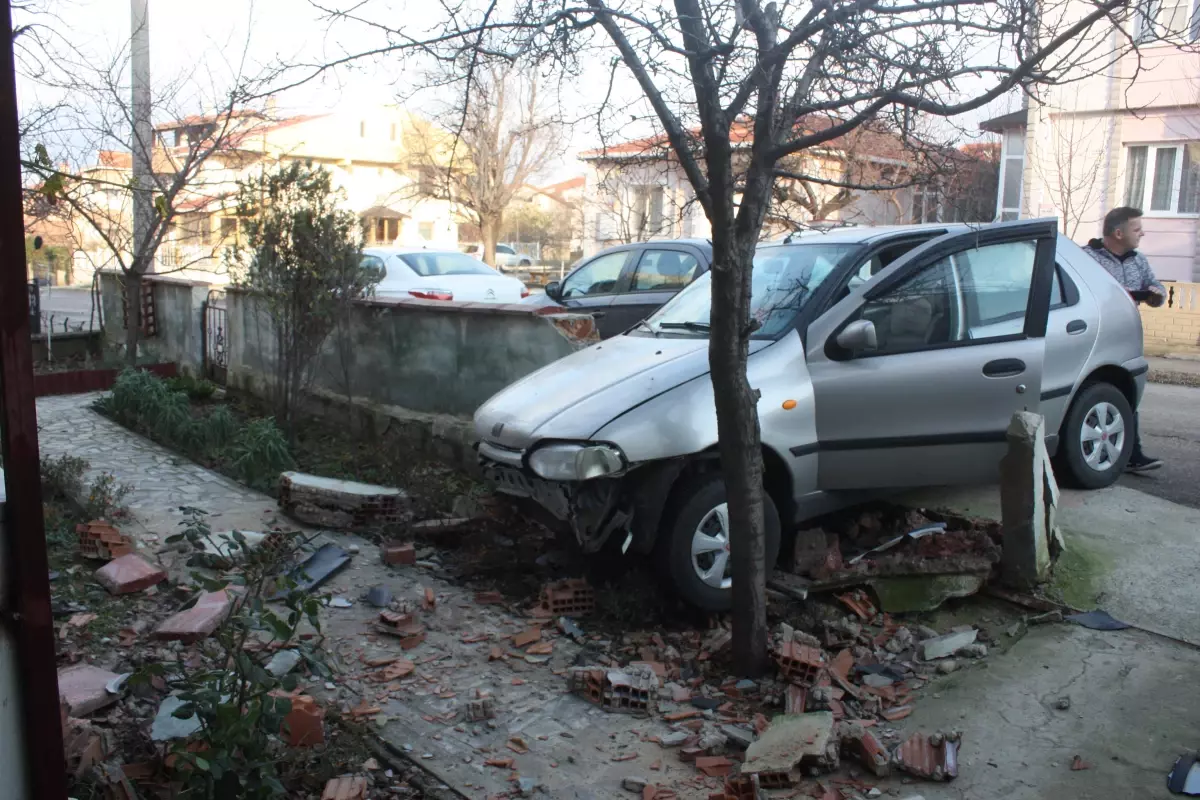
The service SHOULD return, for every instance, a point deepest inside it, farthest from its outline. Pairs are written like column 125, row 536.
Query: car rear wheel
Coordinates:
column 693, row 545
column 1097, row 437
column 525, row 262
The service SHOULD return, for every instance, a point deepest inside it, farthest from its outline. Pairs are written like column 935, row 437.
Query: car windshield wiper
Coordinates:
column 647, row 326
column 685, row 326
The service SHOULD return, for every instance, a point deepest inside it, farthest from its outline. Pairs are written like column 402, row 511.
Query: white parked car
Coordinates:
column 506, row 256
column 440, row 275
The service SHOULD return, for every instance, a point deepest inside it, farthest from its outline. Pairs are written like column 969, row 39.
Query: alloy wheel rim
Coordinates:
column 710, row 548
column 1102, row 436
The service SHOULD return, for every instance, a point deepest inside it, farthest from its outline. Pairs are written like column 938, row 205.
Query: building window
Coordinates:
column 1012, row 166
column 1166, row 19
column 229, row 226
column 1163, row 179
column 425, row 230
column 362, row 130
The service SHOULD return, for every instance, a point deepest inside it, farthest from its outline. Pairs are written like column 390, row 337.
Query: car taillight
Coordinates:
column 524, row 293
column 432, row 294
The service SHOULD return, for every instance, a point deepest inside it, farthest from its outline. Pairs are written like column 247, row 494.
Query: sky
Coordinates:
column 204, row 41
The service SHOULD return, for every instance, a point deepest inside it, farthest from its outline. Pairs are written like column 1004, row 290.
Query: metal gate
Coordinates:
column 216, row 331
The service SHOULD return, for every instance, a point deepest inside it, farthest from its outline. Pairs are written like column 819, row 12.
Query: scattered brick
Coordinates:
column 800, row 664
column 896, row 714
column 305, row 723
column 199, row 621
column 338, row 504
column 481, row 707
column 540, row 649
column 714, row 766
column 502, row 763
column 859, row 603
column 934, row 757
column 632, row 690
column 1078, row 764
column 101, row 540
column 488, row 598
column 364, row 710
column 796, row 699
column 396, row 553
column 81, row 689
column 526, row 637
column 517, row 745
column 345, row 789
column 860, row 743
column 430, row 600
column 571, row 597
column 676, row 716
column 495, row 654
column 394, row 670
column 129, row 573
column 687, row 754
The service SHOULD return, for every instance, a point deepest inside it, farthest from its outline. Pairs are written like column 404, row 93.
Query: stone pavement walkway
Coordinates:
column 160, row 481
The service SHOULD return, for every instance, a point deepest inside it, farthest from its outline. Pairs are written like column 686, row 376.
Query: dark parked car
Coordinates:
column 623, row 285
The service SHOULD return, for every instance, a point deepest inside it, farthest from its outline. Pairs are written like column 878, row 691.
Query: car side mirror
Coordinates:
column 554, row 291
column 858, row 336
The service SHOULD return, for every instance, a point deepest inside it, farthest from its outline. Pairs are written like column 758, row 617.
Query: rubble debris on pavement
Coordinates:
column 948, row 645
column 1098, row 620
column 1184, row 777
column 1028, row 503
column 199, row 621
column 341, row 504
column 632, row 690
column 571, row 597
column 348, row 788
column 83, row 688
column 129, row 573
column 934, row 757
column 317, row 568
column 793, row 742
column 397, row 553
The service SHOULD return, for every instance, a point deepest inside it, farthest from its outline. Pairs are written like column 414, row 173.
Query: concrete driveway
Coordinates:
column 1132, row 709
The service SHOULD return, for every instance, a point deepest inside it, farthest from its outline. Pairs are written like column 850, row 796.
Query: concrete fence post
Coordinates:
column 1028, row 502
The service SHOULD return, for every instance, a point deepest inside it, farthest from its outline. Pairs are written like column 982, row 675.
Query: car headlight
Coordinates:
column 576, row 462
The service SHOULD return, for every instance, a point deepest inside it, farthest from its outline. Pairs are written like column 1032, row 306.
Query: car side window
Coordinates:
column 598, row 276
column 975, row 294
column 664, row 270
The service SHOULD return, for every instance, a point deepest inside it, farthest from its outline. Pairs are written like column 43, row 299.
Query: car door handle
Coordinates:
column 599, row 314
column 1004, row 368
column 1076, row 326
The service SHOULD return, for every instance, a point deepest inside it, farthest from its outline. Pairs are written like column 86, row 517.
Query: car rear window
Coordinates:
column 429, row 265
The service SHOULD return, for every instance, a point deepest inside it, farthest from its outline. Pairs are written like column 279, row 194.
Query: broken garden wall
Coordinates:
column 423, row 356
column 173, row 332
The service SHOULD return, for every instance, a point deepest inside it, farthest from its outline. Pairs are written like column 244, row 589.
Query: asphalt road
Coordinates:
column 1170, row 426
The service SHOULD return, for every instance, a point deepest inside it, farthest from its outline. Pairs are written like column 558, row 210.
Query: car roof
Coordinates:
column 855, row 234
column 701, row 243
column 401, row 251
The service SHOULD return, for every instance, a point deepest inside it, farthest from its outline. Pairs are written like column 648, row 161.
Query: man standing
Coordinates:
column 1117, row 253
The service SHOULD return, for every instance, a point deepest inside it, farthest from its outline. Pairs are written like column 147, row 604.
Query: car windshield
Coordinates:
column 783, row 280
column 429, row 265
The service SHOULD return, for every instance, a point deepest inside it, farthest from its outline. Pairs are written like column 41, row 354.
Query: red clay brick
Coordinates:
column 345, row 789
column 398, row 553
column 305, row 723
column 199, row 621
column 714, row 766
column 129, row 573
column 526, row 637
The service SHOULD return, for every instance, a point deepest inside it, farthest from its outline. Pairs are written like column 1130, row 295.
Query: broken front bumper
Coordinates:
column 592, row 508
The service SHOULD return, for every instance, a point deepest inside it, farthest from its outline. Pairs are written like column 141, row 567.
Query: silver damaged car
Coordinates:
column 885, row 358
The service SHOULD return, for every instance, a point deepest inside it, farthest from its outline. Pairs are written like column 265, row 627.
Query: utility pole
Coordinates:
column 142, row 145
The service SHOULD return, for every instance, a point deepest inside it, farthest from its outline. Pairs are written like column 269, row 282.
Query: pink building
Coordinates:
column 1129, row 135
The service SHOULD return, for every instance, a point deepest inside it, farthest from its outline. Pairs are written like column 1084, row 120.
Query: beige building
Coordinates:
column 1129, row 135
column 364, row 150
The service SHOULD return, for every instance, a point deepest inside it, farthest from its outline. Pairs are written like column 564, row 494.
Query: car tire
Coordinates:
column 1095, row 463
column 525, row 262
column 696, row 511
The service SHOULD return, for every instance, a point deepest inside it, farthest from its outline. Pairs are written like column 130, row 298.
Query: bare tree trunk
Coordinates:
column 133, row 318
column 740, row 448
column 489, row 228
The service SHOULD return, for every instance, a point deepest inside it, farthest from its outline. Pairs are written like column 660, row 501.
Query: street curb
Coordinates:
column 1174, row 378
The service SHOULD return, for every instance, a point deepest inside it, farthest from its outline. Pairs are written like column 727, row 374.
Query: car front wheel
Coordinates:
column 1097, row 437
column 693, row 546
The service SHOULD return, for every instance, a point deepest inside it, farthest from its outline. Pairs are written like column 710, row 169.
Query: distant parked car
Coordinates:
column 505, row 256
column 440, row 275
column 623, row 285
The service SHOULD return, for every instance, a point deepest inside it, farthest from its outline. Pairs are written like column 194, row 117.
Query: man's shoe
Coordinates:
column 1143, row 464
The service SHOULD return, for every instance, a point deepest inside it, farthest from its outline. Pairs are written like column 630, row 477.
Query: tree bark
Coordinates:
column 133, row 317
column 739, row 445
column 490, row 230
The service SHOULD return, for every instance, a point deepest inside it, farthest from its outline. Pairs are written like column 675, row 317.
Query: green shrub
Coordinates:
column 106, row 498
column 62, row 478
column 219, row 428
column 197, row 389
column 260, row 453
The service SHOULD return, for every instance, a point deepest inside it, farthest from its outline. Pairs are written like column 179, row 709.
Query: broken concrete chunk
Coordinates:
column 345, row 789
column 976, row 650
column 129, row 573
column 947, row 645
column 379, row 596
column 903, row 594
column 167, row 726
column 1027, row 508
column 83, row 688
column 634, row 784
column 673, row 739
column 339, row 504
column 283, row 662
column 738, row 736
column 200, row 620
column 793, row 740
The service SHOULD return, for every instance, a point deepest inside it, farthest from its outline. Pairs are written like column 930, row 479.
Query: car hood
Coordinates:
column 575, row 396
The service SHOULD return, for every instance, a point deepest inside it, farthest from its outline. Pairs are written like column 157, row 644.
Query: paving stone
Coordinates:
column 129, row 573
column 82, row 688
